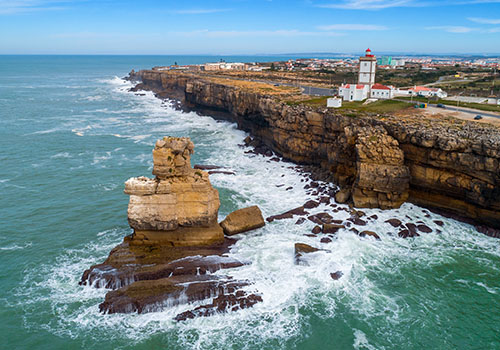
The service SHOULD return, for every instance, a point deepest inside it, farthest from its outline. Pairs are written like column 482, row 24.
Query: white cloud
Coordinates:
column 484, row 20
column 349, row 27
column 8, row 7
column 253, row 33
column 453, row 29
column 369, row 4
column 200, row 11
column 383, row 4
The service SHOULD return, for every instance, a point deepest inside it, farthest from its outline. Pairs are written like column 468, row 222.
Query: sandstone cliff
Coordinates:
column 384, row 160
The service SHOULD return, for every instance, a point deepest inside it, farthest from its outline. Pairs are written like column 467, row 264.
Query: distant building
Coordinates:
column 428, row 92
column 211, row 66
column 334, row 102
column 224, row 66
column 493, row 100
column 384, row 61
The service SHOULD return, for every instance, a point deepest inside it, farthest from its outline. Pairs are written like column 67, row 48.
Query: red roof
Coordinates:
column 358, row 86
column 421, row 88
column 380, row 87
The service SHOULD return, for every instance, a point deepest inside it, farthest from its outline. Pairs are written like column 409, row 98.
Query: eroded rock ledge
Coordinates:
column 176, row 246
column 382, row 160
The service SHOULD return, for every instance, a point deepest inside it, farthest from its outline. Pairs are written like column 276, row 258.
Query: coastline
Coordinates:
column 430, row 150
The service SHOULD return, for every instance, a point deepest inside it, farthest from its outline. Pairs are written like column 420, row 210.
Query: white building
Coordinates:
column 493, row 100
column 354, row 92
column 334, row 102
column 380, row 91
column 428, row 92
column 367, row 69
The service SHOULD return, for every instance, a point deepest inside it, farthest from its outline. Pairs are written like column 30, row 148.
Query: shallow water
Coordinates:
column 72, row 134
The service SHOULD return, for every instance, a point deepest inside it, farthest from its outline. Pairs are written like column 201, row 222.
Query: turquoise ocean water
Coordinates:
column 71, row 134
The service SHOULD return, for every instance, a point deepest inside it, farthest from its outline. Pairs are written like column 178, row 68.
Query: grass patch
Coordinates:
column 380, row 106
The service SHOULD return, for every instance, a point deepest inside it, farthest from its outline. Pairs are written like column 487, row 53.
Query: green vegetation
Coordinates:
column 479, row 106
column 381, row 106
column 313, row 102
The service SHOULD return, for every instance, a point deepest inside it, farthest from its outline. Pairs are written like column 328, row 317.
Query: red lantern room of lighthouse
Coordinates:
column 369, row 53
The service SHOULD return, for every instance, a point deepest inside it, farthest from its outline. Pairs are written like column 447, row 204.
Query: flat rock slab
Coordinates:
column 243, row 220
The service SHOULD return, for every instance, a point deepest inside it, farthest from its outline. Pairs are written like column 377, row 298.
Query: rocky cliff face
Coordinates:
column 450, row 165
column 176, row 246
column 179, row 206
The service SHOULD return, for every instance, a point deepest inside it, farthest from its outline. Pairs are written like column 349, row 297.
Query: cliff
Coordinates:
column 383, row 160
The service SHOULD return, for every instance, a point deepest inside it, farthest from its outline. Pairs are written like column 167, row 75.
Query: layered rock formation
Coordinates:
column 176, row 246
column 178, row 207
column 384, row 160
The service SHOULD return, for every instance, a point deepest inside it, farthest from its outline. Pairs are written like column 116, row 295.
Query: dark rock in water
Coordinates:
column 300, row 221
column 412, row 228
column 424, row 228
column 354, row 230
column 128, row 263
column 149, row 296
column 221, row 172
column 394, row 222
column 321, row 218
column 311, row 204
column 222, row 303
column 247, row 140
column 288, row 215
column 370, row 234
column 324, row 199
column 289, row 188
column 404, row 233
column 325, row 240
column 489, row 231
column 275, row 159
column 331, row 228
column 374, row 217
column 358, row 213
column 439, row 222
column 301, row 249
column 206, row 167
column 357, row 221
column 316, row 229
column 336, row 275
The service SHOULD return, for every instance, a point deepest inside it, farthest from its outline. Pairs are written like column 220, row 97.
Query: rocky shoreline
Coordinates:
column 380, row 161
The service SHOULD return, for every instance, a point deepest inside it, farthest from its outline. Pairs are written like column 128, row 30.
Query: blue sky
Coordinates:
column 248, row 26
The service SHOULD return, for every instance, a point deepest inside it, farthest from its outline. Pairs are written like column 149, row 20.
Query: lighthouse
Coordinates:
column 367, row 68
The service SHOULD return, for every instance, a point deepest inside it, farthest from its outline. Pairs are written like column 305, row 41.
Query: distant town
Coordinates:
column 457, row 79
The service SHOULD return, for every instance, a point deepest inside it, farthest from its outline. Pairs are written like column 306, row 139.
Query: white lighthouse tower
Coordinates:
column 367, row 68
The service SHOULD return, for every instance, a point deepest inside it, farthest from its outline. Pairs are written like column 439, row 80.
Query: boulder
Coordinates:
column 370, row 234
column 243, row 220
column 331, row 228
column 343, row 195
column 336, row 275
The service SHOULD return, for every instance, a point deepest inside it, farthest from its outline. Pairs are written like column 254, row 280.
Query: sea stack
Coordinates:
column 176, row 247
column 179, row 207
